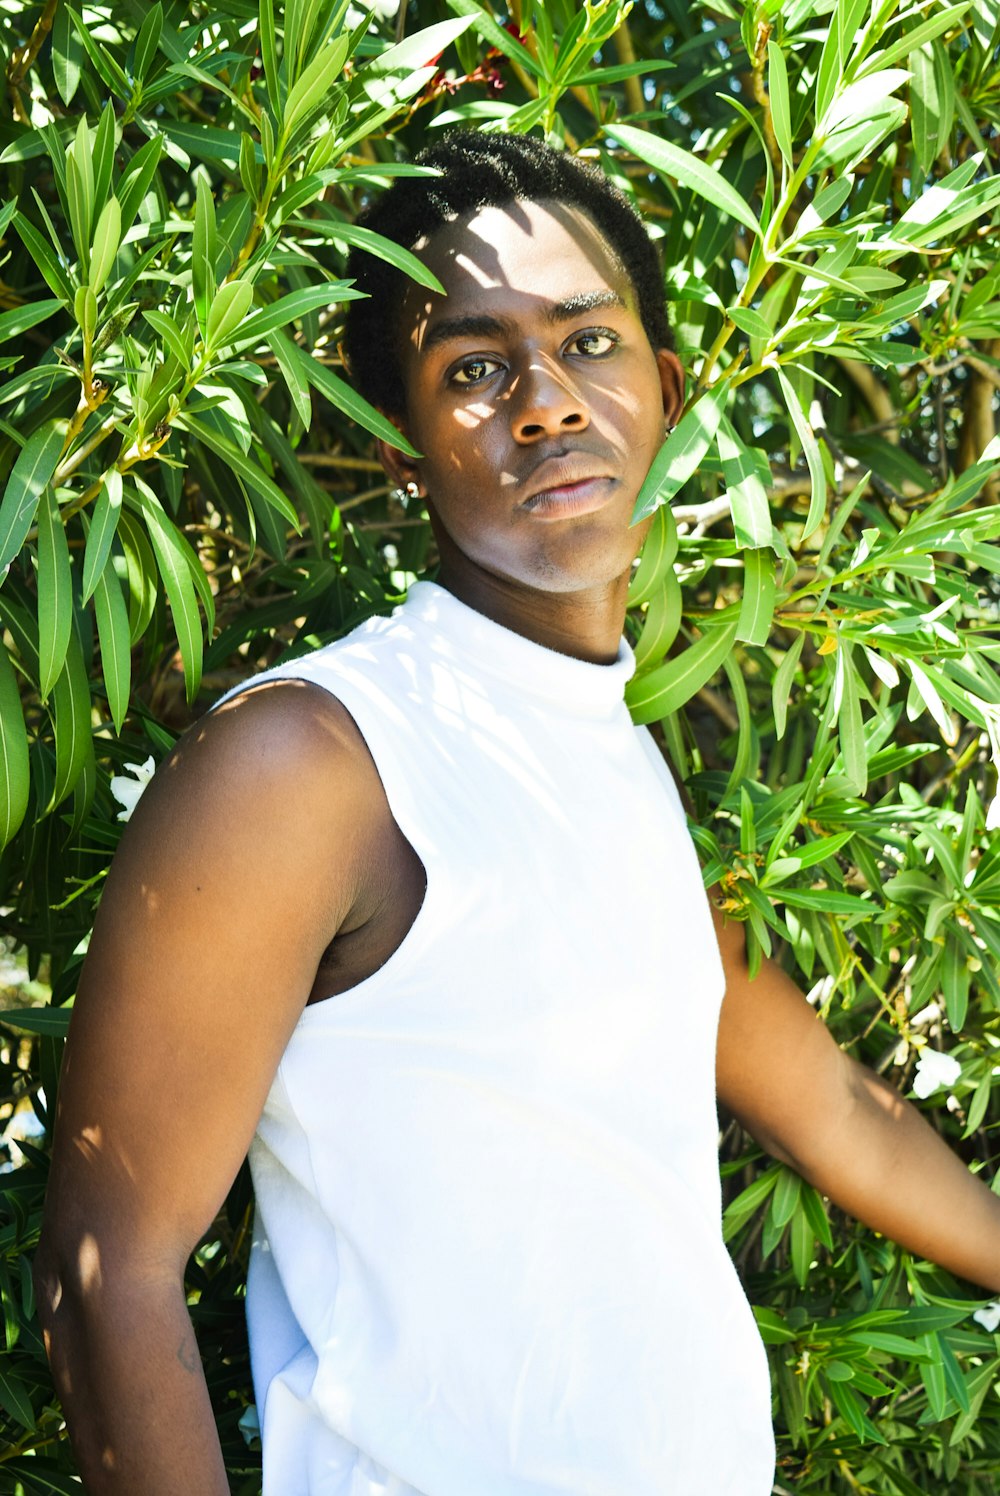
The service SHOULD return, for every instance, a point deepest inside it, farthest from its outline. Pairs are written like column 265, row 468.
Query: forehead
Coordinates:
column 523, row 257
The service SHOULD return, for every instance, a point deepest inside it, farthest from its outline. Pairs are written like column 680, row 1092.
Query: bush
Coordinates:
column 190, row 493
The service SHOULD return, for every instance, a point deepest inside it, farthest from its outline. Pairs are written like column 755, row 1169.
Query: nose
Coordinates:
column 546, row 402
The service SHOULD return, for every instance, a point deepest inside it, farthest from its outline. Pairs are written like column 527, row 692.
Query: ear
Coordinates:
column 672, row 385
column 400, row 469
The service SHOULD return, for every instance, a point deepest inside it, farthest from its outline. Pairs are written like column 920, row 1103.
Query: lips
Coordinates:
column 572, row 483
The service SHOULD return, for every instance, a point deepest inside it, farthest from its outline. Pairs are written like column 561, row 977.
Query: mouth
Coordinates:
column 568, row 486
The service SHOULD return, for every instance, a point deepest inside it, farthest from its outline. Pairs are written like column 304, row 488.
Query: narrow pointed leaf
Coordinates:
column 113, row 632
column 782, row 684
column 29, row 477
column 173, row 566
column 673, row 161
column 741, row 469
column 55, row 593
column 849, row 724
column 682, row 451
column 249, row 471
column 107, row 237
column 18, row 320
column 777, row 81
column 671, row 686
column 375, row 244
column 71, row 720
column 43, row 256
column 657, row 559
column 102, row 530
column 13, row 752
column 759, row 590
column 814, row 460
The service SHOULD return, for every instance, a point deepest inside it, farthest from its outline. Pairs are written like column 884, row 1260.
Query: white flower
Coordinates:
column 127, row 791
column 934, row 1070
column 988, row 1316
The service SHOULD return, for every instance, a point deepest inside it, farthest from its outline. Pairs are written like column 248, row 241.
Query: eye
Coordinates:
column 593, row 343
column 473, row 370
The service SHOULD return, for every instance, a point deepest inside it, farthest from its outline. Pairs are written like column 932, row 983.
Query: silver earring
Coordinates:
column 412, row 490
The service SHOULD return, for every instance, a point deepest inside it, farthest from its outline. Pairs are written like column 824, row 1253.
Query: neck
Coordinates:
column 586, row 624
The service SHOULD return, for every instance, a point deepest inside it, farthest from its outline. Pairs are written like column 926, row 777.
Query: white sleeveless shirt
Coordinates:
column 488, row 1258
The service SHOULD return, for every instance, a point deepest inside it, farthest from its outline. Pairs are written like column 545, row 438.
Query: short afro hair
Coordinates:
column 483, row 171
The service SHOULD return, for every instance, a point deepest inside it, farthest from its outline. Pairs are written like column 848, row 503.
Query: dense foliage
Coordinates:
column 189, row 493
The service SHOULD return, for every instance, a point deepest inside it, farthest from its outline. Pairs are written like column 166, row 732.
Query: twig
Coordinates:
column 18, row 67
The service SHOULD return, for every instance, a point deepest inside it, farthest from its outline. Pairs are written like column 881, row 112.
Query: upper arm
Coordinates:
column 241, row 860
column 778, row 1068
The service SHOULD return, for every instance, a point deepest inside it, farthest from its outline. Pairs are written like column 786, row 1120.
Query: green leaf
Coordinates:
column 172, row 334
column 21, row 318
column 170, row 549
column 913, row 39
column 375, row 244
column 71, row 720
column 848, row 708
column 135, row 181
column 14, row 773
column 36, row 462
column 269, row 54
column 105, row 138
column 777, row 82
column 67, row 56
column 742, row 468
column 759, row 589
column 53, row 272
column 313, row 87
column 682, row 451
column 490, row 31
column 55, row 593
column 782, row 684
column 143, row 577
column 102, row 530
column 810, row 446
column 739, row 1211
column 204, row 249
column 293, row 375
column 116, row 647
column 227, row 313
column 955, row 978
column 801, row 1242
column 344, row 398
column 670, row 687
column 249, row 471
column 785, row 1200
column 281, row 313
column 658, row 554
column 104, row 64
column 42, row 1478
column 147, row 42
column 672, row 161
column 661, row 623
column 107, row 237
column 14, row 1398
column 750, row 322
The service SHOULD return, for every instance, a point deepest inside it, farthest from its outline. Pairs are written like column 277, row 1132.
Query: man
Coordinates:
column 428, row 901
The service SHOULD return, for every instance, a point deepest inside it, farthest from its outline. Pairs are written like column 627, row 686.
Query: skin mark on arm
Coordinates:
column 187, row 1354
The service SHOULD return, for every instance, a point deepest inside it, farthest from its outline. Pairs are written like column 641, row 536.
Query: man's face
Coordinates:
column 535, row 397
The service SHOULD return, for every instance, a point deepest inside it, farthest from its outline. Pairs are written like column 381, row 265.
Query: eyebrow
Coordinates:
column 483, row 326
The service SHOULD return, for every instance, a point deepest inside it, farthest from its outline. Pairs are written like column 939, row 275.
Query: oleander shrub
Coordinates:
column 188, row 493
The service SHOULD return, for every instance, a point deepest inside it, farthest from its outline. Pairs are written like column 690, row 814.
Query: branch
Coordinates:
column 18, row 67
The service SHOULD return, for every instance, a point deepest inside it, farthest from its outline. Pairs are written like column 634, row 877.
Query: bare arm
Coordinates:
column 241, row 862
column 847, row 1132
